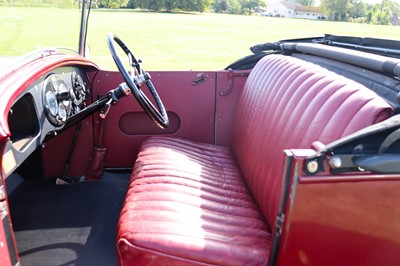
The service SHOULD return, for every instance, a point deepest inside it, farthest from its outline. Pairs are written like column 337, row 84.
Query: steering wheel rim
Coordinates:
column 157, row 114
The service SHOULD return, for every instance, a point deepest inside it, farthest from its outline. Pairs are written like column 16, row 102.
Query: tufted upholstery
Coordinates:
column 196, row 203
column 190, row 195
column 289, row 103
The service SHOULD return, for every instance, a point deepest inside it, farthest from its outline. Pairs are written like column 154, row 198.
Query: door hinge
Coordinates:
column 3, row 203
column 280, row 219
column 2, row 193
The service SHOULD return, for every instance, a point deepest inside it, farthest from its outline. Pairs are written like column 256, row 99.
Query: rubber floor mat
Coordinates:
column 68, row 224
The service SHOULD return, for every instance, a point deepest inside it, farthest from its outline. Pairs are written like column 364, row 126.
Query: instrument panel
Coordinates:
column 63, row 95
column 43, row 110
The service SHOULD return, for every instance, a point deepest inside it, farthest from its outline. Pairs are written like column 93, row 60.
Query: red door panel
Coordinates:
column 342, row 220
column 189, row 98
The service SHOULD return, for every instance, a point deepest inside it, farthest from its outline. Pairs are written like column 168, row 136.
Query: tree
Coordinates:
column 220, row 6
column 383, row 13
column 227, row 6
column 112, row 3
column 251, row 5
column 203, row 5
column 393, row 8
column 306, row 2
column 131, row 4
column 169, row 5
column 357, row 9
column 234, row 7
column 336, row 9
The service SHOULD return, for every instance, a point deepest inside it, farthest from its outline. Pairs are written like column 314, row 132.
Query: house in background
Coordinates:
column 290, row 9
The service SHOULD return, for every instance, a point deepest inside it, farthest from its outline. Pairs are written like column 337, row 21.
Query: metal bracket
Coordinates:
column 231, row 76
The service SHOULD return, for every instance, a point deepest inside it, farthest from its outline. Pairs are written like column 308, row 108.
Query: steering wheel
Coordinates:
column 136, row 79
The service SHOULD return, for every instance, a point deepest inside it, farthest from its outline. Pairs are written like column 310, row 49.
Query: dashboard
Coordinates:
column 63, row 95
column 42, row 111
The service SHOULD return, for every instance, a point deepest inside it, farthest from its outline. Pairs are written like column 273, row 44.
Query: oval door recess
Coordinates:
column 139, row 123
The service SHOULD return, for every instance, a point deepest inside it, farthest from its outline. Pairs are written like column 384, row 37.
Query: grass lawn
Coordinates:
column 166, row 41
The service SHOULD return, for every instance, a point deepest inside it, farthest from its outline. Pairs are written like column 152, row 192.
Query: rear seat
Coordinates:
column 195, row 203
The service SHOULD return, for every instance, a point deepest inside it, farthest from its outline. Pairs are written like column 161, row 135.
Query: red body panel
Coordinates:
column 4, row 252
column 5, row 257
column 339, row 220
column 194, row 105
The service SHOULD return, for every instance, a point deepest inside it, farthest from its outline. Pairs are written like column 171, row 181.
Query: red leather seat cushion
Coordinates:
column 190, row 204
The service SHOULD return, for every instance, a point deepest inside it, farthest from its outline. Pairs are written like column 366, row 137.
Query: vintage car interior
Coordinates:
column 287, row 157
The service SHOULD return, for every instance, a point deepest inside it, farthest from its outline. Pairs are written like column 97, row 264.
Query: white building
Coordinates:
column 289, row 9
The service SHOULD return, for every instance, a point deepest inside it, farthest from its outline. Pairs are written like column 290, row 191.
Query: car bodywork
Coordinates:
column 339, row 201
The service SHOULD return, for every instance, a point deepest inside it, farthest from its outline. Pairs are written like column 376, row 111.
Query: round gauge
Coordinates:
column 51, row 103
column 62, row 113
column 56, row 100
column 79, row 89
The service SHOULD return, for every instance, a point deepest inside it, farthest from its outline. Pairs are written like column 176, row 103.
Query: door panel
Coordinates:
column 341, row 220
column 190, row 104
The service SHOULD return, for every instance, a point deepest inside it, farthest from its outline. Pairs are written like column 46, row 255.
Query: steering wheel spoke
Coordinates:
column 135, row 78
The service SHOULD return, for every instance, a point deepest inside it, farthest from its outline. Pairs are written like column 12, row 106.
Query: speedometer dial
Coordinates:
column 56, row 100
column 51, row 103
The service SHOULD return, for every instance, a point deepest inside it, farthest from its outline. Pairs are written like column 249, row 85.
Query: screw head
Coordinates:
column 312, row 167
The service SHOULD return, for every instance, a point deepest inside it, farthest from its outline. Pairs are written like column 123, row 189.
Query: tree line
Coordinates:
column 219, row 6
column 385, row 13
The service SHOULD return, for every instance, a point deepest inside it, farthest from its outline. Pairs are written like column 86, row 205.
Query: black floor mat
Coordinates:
column 68, row 224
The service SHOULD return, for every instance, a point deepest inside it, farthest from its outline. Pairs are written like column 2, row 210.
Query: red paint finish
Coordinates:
column 193, row 104
column 342, row 223
column 4, row 252
column 229, row 88
column 5, row 258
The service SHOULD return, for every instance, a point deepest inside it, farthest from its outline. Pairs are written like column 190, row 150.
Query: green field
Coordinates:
column 166, row 40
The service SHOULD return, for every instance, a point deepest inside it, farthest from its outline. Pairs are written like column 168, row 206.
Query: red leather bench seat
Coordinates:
column 187, row 200
column 195, row 203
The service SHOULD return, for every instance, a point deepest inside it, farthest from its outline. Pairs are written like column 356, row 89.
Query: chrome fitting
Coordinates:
column 335, row 162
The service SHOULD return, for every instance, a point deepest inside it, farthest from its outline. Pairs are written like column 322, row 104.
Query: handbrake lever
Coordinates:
column 106, row 108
